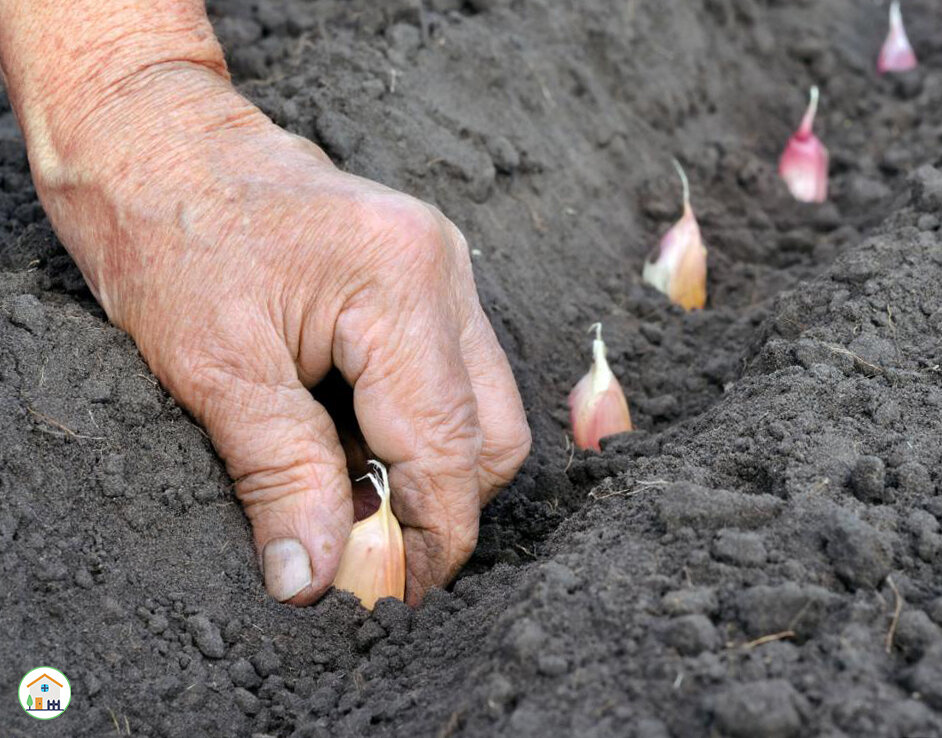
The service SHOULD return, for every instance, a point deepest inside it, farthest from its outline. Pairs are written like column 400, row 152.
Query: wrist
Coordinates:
column 137, row 156
column 63, row 83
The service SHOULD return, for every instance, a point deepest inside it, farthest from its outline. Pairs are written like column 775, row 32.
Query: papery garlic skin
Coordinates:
column 678, row 266
column 805, row 161
column 597, row 405
column 897, row 53
column 373, row 564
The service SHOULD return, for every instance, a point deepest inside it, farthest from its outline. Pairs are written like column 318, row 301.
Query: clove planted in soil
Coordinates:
column 897, row 53
column 677, row 267
column 597, row 405
column 805, row 161
column 373, row 564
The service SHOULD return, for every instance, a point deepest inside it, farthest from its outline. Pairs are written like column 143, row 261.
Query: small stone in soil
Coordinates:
column 247, row 702
column 860, row 554
column 692, row 634
column 868, row 479
column 243, row 674
column 207, row 637
column 266, row 662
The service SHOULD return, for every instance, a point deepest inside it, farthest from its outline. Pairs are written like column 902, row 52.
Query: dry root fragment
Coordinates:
column 597, row 405
column 373, row 564
column 677, row 267
column 897, row 54
column 804, row 163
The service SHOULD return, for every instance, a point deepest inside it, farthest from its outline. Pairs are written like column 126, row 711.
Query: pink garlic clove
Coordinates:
column 597, row 405
column 373, row 564
column 804, row 163
column 677, row 267
column 897, row 54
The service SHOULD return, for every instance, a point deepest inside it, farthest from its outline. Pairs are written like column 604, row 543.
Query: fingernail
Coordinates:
column 287, row 568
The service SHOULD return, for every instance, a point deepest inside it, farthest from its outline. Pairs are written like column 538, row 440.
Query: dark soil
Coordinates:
column 785, row 481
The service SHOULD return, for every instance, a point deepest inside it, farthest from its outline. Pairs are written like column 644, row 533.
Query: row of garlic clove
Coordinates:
column 804, row 164
column 677, row 266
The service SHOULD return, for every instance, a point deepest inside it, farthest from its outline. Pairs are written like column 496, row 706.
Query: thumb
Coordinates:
column 282, row 449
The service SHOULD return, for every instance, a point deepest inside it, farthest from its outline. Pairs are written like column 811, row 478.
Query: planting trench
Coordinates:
column 730, row 569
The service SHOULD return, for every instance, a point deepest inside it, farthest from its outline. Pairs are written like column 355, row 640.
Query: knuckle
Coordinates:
column 445, row 468
column 503, row 456
column 271, row 450
column 265, row 487
column 455, row 436
column 411, row 253
column 209, row 385
column 457, row 237
column 397, row 215
column 215, row 382
column 282, row 496
column 295, row 471
column 463, row 537
column 505, row 460
column 211, row 376
column 415, row 220
column 412, row 237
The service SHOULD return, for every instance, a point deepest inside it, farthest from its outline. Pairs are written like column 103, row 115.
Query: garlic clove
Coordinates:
column 597, row 405
column 897, row 53
column 678, row 267
column 373, row 564
column 805, row 161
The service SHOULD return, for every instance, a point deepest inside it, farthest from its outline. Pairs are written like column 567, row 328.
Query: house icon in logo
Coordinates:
column 43, row 693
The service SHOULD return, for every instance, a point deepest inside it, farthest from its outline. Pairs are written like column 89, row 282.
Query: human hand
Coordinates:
column 245, row 266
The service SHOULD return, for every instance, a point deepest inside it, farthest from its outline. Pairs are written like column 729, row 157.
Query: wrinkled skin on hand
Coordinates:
column 245, row 265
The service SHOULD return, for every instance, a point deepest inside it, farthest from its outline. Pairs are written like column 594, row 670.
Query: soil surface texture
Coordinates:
column 762, row 558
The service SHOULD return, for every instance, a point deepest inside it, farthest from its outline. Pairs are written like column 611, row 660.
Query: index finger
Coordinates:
column 417, row 411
